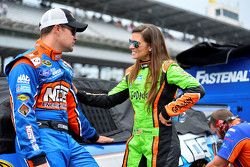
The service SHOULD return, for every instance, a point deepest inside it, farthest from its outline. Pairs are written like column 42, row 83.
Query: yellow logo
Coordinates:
column 5, row 164
column 47, row 63
column 22, row 97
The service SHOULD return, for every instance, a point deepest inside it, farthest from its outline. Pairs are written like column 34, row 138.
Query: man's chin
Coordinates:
column 68, row 50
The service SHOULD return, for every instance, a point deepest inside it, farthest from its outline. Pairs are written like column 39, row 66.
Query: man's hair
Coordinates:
column 222, row 114
column 46, row 30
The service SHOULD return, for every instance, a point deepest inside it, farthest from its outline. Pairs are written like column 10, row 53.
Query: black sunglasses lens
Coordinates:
column 72, row 30
column 135, row 43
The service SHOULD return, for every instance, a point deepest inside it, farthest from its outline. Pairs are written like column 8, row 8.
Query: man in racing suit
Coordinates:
column 44, row 104
column 236, row 139
column 154, row 142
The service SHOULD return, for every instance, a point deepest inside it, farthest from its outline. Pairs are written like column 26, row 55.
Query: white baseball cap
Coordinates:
column 61, row 16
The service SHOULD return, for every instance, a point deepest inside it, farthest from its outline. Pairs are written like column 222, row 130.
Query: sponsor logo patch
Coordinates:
column 24, row 88
column 23, row 79
column 139, row 78
column 57, row 57
column 138, row 95
column 24, row 109
column 53, row 96
column 184, row 103
column 45, row 73
column 56, row 72
column 22, row 97
column 36, row 61
column 47, row 63
column 31, row 137
column 56, row 94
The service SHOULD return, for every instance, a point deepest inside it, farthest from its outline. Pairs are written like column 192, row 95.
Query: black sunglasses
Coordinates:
column 136, row 44
column 72, row 30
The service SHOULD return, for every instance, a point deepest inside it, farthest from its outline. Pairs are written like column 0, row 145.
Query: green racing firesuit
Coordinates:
column 151, row 144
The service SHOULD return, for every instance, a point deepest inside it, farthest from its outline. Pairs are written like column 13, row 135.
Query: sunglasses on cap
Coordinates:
column 136, row 44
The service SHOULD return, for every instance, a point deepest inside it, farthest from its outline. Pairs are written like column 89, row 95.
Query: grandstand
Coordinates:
column 103, row 47
column 19, row 31
column 167, row 16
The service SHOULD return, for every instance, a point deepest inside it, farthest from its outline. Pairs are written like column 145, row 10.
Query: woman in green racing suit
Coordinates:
column 151, row 85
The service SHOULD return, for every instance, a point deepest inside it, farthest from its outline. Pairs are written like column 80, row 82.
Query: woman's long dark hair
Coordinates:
column 154, row 38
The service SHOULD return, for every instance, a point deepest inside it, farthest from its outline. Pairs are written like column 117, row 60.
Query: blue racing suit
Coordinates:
column 236, row 145
column 44, row 106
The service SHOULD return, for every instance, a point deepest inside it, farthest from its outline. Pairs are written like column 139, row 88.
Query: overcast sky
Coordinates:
column 200, row 6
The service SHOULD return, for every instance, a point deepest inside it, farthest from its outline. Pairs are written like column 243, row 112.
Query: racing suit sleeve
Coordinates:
column 23, row 86
column 77, row 121
column 191, row 88
column 116, row 96
column 233, row 144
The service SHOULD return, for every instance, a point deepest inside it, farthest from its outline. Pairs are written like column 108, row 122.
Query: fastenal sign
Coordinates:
column 205, row 77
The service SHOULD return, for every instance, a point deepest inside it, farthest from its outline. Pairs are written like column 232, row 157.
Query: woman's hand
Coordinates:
column 164, row 121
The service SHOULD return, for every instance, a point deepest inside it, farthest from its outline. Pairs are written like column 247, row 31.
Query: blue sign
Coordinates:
column 226, row 84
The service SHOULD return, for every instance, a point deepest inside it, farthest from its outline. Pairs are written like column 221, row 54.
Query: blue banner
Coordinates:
column 226, row 84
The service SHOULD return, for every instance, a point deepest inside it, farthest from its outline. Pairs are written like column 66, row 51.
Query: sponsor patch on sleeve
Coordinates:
column 22, row 97
column 24, row 109
column 23, row 79
column 31, row 137
column 23, row 88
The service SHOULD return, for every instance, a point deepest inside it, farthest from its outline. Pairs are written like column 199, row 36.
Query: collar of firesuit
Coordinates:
column 144, row 64
column 53, row 54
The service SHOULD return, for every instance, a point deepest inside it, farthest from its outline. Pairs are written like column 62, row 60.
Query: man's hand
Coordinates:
column 104, row 139
column 218, row 162
column 164, row 121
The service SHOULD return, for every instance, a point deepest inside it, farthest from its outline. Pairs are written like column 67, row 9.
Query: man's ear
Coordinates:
column 56, row 28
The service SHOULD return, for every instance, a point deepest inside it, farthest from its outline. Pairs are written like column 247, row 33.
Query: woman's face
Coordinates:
column 140, row 49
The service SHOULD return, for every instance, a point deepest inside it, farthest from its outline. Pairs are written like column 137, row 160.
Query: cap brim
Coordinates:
column 80, row 27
